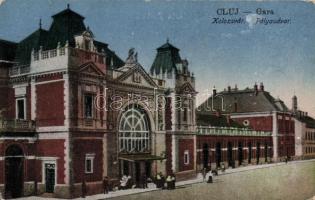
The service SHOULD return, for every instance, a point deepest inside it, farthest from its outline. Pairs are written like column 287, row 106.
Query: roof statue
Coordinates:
column 132, row 56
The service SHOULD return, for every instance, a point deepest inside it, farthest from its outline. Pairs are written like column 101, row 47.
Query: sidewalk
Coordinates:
column 199, row 179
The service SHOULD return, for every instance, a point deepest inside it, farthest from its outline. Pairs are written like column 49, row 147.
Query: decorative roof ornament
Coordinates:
column 132, row 56
column 40, row 23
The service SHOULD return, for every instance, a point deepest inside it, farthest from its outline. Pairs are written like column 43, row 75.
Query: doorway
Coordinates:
column 205, row 151
column 218, row 154
column 249, row 152
column 50, row 177
column 14, row 160
column 230, row 151
column 266, row 152
column 257, row 153
column 240, row 153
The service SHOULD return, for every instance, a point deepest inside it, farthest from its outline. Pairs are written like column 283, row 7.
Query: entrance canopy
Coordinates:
column 140, row 157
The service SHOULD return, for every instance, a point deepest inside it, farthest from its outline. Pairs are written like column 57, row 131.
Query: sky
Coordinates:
column 282, row 56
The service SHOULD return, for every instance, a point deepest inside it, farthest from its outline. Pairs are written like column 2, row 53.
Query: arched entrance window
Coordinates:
column 205, row 151
column 13, row 171
column 134, row 131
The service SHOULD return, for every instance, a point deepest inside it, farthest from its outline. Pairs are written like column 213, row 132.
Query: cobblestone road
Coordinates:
column 292, row 181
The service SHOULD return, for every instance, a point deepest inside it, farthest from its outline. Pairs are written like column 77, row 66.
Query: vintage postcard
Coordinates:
column 157, row 99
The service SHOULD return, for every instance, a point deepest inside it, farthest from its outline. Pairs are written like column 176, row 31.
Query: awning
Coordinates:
column 140, row 157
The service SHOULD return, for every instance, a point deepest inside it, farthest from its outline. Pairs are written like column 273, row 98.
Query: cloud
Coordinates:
column 251, row 20
column 1, row 2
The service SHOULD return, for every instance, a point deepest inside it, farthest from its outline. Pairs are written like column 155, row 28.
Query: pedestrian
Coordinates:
column 169, row 182
column 204, row 173
column 222, row 167
column 123, row 182
column 215, row 172
column 105, row 185
column 83, row 189
column 158, row 181
column 173, row 181
column 162, row 181
column 144, row 182
column 209, row 177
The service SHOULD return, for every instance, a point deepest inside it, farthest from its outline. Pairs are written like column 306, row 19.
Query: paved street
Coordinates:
column 284, row 181
column 292, row 181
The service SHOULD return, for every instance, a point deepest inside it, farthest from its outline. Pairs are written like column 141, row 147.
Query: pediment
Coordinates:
column 138, row 76
column 187, row 88
column 91, row 69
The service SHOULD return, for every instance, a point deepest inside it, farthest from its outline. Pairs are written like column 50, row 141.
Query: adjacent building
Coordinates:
column 256, row 109
column 304, row 132
column 223, row 141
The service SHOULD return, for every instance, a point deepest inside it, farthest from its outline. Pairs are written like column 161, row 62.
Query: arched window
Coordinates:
column 134, row 131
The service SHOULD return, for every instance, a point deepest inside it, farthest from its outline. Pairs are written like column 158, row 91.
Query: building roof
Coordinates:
column 216, row 121
column 33, row 41
column 67, row 12
column 7, row 50
column 112, row 60
column 309, row 121
column 166, row 59
column 243, row 101
column 65, row 26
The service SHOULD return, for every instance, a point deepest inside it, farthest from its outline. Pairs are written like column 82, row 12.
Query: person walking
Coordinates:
column 209, row 177
column 83, row 188
column 204, row 173
column 173, row 180
column 105, row 185
column 144, row 182
column 169, row 182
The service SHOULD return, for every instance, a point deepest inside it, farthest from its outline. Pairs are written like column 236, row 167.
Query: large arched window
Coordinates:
column 134, row 131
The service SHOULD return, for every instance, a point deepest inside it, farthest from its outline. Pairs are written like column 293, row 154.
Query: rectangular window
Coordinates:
column 20, row 108
column 88, row 105
column 53, row 53
column 89, row 159
column 44, row 54
column 36, row 56
column 62, row 51
column 186, row 157
column 185, row 114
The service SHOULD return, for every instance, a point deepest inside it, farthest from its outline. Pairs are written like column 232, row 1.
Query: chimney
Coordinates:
column 294, row 104
column 229, row 88
column 214, row 91
column 261, row 87
column 256, row 88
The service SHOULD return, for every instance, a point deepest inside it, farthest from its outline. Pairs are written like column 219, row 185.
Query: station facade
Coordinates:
column 73, row 112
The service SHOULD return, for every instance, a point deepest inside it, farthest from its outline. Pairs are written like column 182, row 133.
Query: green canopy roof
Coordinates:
column 166, row 59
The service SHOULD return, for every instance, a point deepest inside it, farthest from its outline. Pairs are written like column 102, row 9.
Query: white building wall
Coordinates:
column 299, row 132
